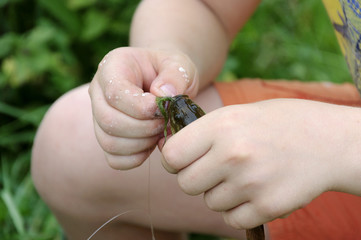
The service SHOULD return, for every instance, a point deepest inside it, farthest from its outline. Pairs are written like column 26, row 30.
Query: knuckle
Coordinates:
column 183, row 184
column 113, row 162
column 154, row 127
column 269, row 210
column 105, row 121
column 211, row 203
column 235, row 221
column 237, row 154
column 187, row 186
column 188, row 181
column 111, row 95
column 177, row 58
column 170, row 156
column 124, row 162
column 108, row 144
column 116, row 53
column 126, row 146
column 140, row 110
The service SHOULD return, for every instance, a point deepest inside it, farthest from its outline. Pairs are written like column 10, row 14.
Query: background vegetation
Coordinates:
column 49, row 47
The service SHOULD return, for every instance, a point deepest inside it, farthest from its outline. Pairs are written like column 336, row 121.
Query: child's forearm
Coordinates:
column 347, row 177
column 202, row 30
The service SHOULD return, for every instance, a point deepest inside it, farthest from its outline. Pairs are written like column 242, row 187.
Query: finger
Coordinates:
column 177, row 75
column 127, row 162
column 123, row 84
column 123, row 146
column 126, row 98
column 116, row 123
column 188, row 145
column 167, row 167
column 225, row 196
column 201, row 175
column 243, row 216
column 255, row 213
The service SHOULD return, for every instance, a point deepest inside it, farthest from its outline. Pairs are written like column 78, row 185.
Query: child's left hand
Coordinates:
column 260, row 161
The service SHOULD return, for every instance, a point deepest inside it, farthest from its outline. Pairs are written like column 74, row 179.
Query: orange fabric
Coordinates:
column 333, row 215
column 253, row 90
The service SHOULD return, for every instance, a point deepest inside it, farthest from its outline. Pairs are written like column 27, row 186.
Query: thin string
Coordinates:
column 149, row 200
column 111, row 219
column 133, row 210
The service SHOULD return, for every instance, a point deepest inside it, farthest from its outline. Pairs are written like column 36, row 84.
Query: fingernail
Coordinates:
column 168, row 90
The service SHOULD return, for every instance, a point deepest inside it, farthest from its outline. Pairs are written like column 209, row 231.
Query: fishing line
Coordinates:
column 111, row 219
column 133, row 210
column 149, row 201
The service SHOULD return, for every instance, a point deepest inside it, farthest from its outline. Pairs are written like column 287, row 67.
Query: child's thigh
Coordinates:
column 73, row 177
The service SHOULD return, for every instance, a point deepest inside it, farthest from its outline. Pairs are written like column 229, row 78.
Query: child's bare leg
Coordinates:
column 73, row 177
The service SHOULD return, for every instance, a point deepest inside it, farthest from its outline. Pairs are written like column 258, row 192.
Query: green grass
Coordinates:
column 42, row 55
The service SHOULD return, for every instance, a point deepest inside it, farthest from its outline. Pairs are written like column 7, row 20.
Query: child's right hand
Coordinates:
column 123, row 91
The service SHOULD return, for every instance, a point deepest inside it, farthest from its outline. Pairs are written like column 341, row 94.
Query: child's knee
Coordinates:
column 55, row 141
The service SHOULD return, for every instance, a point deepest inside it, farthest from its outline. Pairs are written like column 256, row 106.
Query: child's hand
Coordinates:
column 123, row 95
column 260, row 161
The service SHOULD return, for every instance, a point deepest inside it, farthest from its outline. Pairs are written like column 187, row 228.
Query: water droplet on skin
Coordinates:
column 181, row 69
column 126, row 91
column 103, row 61
column 136, row 94
column 185, row 75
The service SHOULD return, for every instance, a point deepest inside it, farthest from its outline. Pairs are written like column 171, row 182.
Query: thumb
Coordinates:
column 176, row 75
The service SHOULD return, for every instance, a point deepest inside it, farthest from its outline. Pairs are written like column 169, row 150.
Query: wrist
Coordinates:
column 347, row 173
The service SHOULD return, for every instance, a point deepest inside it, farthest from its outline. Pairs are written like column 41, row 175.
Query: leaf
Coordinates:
column 17, row 138
column 17, row 70
column 95, row 23
column 3, row 211
column 35, row 116
column 27, row 66
column 7, row 43
column 79, row 4
column 10, row 110
column 13, row 211
column 68, row 18
column 3, row 2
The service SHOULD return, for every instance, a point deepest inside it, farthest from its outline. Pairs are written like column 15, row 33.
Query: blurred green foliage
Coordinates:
column 46, row 48
column 287, row 40
column 50, row 46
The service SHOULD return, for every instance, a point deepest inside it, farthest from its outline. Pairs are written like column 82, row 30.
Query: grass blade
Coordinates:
column 13, row 211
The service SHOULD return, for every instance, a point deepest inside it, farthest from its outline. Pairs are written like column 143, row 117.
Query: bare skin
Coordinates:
column 285, row 153
column 74, row 179
column 71, row 165
column 83, row 143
